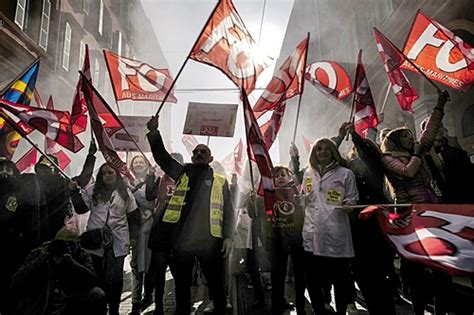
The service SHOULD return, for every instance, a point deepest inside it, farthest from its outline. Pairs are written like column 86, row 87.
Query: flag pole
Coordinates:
column 388, row 205
column 354, row 91
column 115, row 116
column 24, row 136
column 302, row 87
column 386, row 97
column 208, row 140
column 186, row 60
column 242, row 91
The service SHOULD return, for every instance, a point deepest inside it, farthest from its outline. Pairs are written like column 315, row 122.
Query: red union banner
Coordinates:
column 138, row 81
column 227, row 45
column 330, row 78
column 440, row 54
column 439, row 236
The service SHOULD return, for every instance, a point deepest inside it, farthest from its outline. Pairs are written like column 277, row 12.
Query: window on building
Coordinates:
column 96, row 72
column 44, row 31
column 67, row 47
column 85, row 6
column 119, row 44
column 101, row 16
column 20, row 13
column 82, row 53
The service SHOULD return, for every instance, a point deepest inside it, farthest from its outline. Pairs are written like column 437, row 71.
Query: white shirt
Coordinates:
column 117, row 220
column 326, row 230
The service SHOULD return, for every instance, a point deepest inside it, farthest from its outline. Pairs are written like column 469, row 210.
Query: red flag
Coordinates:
column 271, row 128
column 54, row 124
column 439, row 236
column 286, row 83
column 53, row 148
column 102, row 133
column 226, row 44
column 135, row 80
column 79, row 107
column 330, row 78
column 256, row 150
column 190, row 143
column 27, row 162
column 393, row 59
column 365, row 112
column 440, row 54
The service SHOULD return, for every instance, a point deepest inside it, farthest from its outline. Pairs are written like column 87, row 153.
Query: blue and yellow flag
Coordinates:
column 21, row 92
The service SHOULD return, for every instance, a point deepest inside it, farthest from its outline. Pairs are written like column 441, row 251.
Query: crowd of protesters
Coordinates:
column 191, row 215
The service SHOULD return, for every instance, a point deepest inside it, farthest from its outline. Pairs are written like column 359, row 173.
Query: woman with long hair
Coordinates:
column 112, row 207
column 327, row 241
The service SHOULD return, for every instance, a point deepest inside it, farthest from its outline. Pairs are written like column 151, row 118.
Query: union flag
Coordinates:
column 330, row 78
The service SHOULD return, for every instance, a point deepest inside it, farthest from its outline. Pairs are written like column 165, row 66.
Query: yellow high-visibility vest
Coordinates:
column 216, row 204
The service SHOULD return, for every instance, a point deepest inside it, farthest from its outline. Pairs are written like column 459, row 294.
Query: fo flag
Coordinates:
column 393, row 59
column 79, row 107
column 330, row 78
column 258, row 152
column 54, row 124
column 438, row 236
column 440, row 54
column 286, row 83
column 364, row 106
column 135, row 80
column 102, row 134
column 271, row 128
column 226, row 44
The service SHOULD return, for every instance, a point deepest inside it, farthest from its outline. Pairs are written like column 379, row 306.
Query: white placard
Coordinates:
column 136, row 127
column 206, row 119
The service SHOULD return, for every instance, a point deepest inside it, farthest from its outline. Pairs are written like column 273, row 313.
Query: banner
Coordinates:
column 440, row 54
column 207, row 119
column 330, row 78
column 436, row 235
column 134, row 126
column 226, row 44
column 79, row 107
column 271, row 128
column 135, row 80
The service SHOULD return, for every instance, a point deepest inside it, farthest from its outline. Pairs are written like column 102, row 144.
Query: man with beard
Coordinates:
column 197, row 222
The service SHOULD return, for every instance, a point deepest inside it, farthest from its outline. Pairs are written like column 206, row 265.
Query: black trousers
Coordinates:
column 279, row 260
column 322, row 270
column 211, row 261
column 110, row 272
column 160, row 261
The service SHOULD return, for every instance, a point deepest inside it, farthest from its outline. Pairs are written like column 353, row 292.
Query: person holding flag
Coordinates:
column 411, row 181
column 197, row 222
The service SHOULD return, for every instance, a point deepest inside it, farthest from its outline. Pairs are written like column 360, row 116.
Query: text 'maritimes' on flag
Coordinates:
column 54, row 124
column 286, row 83
column 365, row 112
column 138, row 81
column 226, row 44
column 257, row 152
column 393, row 59
column 330, row 78
column 441, row 55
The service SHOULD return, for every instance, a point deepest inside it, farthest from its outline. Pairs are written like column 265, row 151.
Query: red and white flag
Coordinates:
column 330, row 78
column 393, row 59
column 79, row 107
column 189, row 142
column 26, row 163
column 135, row 80
column 436, row 235
column 441, row 55
column 226, row 44
column 233, row 161
column 271, row 128
column 258, row 152
column 286, row 83
column 102, row 133
column 54, row 124
column 365, row 116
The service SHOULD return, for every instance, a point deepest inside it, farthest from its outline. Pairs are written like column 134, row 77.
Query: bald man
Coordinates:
column 197, row 222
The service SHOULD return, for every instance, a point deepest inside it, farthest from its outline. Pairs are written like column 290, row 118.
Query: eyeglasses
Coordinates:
column 202, row 151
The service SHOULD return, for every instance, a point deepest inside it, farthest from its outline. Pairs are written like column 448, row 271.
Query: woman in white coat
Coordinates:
column 327, row 241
